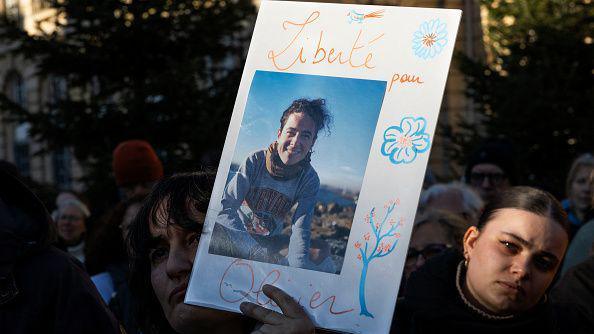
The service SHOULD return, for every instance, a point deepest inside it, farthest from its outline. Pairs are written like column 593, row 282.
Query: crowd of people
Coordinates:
column 485, row 256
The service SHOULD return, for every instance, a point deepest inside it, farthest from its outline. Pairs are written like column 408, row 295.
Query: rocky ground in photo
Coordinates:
column 331, row 224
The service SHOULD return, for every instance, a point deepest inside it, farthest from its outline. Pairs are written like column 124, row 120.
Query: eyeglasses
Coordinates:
column 428, row 252
column 495, row 178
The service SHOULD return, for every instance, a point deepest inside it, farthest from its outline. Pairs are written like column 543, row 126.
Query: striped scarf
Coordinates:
column 278, row 170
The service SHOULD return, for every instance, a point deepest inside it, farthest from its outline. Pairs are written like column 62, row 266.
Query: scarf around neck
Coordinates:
column 277, row 168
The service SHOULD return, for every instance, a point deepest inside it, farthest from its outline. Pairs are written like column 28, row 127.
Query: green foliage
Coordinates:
column 164, row 71
column 537, row 88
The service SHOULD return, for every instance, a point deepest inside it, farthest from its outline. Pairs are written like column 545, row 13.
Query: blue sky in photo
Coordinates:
column 339, row 158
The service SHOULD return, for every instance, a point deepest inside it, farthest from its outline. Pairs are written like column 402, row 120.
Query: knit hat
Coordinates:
column 75, row 203
column 499, row 153
column 135, row 161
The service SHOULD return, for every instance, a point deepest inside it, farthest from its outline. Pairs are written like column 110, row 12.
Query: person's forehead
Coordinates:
column 162, row 225
column 544, row 233
column 584, row 171
column 300, row 121
column 62, row 197
column 487, row 168
column 71, row 209
column 451, row 200
column 168, row 231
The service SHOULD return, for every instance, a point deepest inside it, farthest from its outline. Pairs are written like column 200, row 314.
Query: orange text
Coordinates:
column 404, row 78
column 294, row 51
column 251, row 288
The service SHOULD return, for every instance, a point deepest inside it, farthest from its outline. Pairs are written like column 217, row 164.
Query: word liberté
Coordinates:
column 357, row 57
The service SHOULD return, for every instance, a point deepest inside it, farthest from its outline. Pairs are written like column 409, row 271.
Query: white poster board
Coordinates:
column 335, row 235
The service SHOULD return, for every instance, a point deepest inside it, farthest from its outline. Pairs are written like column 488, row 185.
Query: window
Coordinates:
column 62, row 166
column 15, row 90
column 57, row 89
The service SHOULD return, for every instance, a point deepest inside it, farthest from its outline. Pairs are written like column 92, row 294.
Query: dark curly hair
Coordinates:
column 316, row 109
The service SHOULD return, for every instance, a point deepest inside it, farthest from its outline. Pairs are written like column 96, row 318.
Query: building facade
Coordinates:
column 21, row 84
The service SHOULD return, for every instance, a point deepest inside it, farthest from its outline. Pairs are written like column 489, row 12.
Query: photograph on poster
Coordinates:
column 297, row 170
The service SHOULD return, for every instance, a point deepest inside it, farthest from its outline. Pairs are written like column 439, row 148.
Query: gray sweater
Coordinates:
column 257, row 203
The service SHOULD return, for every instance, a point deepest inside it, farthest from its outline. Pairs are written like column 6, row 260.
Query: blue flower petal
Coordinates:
column 392, row 133
column 438, row 29
column 414, row 128
column 389, row 146
column 421, row 144
column 408, row 154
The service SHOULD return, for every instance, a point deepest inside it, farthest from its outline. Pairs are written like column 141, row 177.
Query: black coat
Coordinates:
column 432, row 304
column 42, row 289
column 573, row 298
column 55, row 296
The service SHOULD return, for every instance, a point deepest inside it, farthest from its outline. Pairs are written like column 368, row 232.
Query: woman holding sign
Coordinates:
column 499, row 284
column 268, row 184
column 163, row 239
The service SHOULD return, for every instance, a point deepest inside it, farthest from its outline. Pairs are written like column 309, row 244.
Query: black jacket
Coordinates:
column 42, row 289
column 573, row 298
column 432, row 304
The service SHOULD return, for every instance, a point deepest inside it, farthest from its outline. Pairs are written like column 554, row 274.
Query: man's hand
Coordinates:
column 293, row 320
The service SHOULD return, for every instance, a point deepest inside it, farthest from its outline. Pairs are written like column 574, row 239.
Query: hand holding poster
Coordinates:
column 320, row 175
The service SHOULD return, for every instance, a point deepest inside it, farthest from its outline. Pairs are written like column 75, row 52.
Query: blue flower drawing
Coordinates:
column 403, row 143
column 430, row 39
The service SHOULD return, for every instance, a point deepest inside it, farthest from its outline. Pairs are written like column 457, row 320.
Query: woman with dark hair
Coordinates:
column 267, row 185
column 499, row 283
column 163, row 240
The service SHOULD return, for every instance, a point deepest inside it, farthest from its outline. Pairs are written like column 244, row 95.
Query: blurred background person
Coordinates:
column 43, row 290
column 72, row 228
column 107, row 260
column 582, row 244
column 490, row 169
column 434, row 232
column 456, row 198
column 573, row 298
column 578, row 191
column 60, row 199
column 429, row 178
column 136, row 167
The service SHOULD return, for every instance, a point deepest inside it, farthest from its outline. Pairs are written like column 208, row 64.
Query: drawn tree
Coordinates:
column 380, row 242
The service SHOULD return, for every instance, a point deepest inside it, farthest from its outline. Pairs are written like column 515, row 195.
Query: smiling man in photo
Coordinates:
column 268, row 184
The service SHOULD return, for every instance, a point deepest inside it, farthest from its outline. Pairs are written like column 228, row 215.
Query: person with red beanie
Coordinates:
column 136, row 167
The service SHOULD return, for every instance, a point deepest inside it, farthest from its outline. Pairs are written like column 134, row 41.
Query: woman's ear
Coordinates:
column 469, row 241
